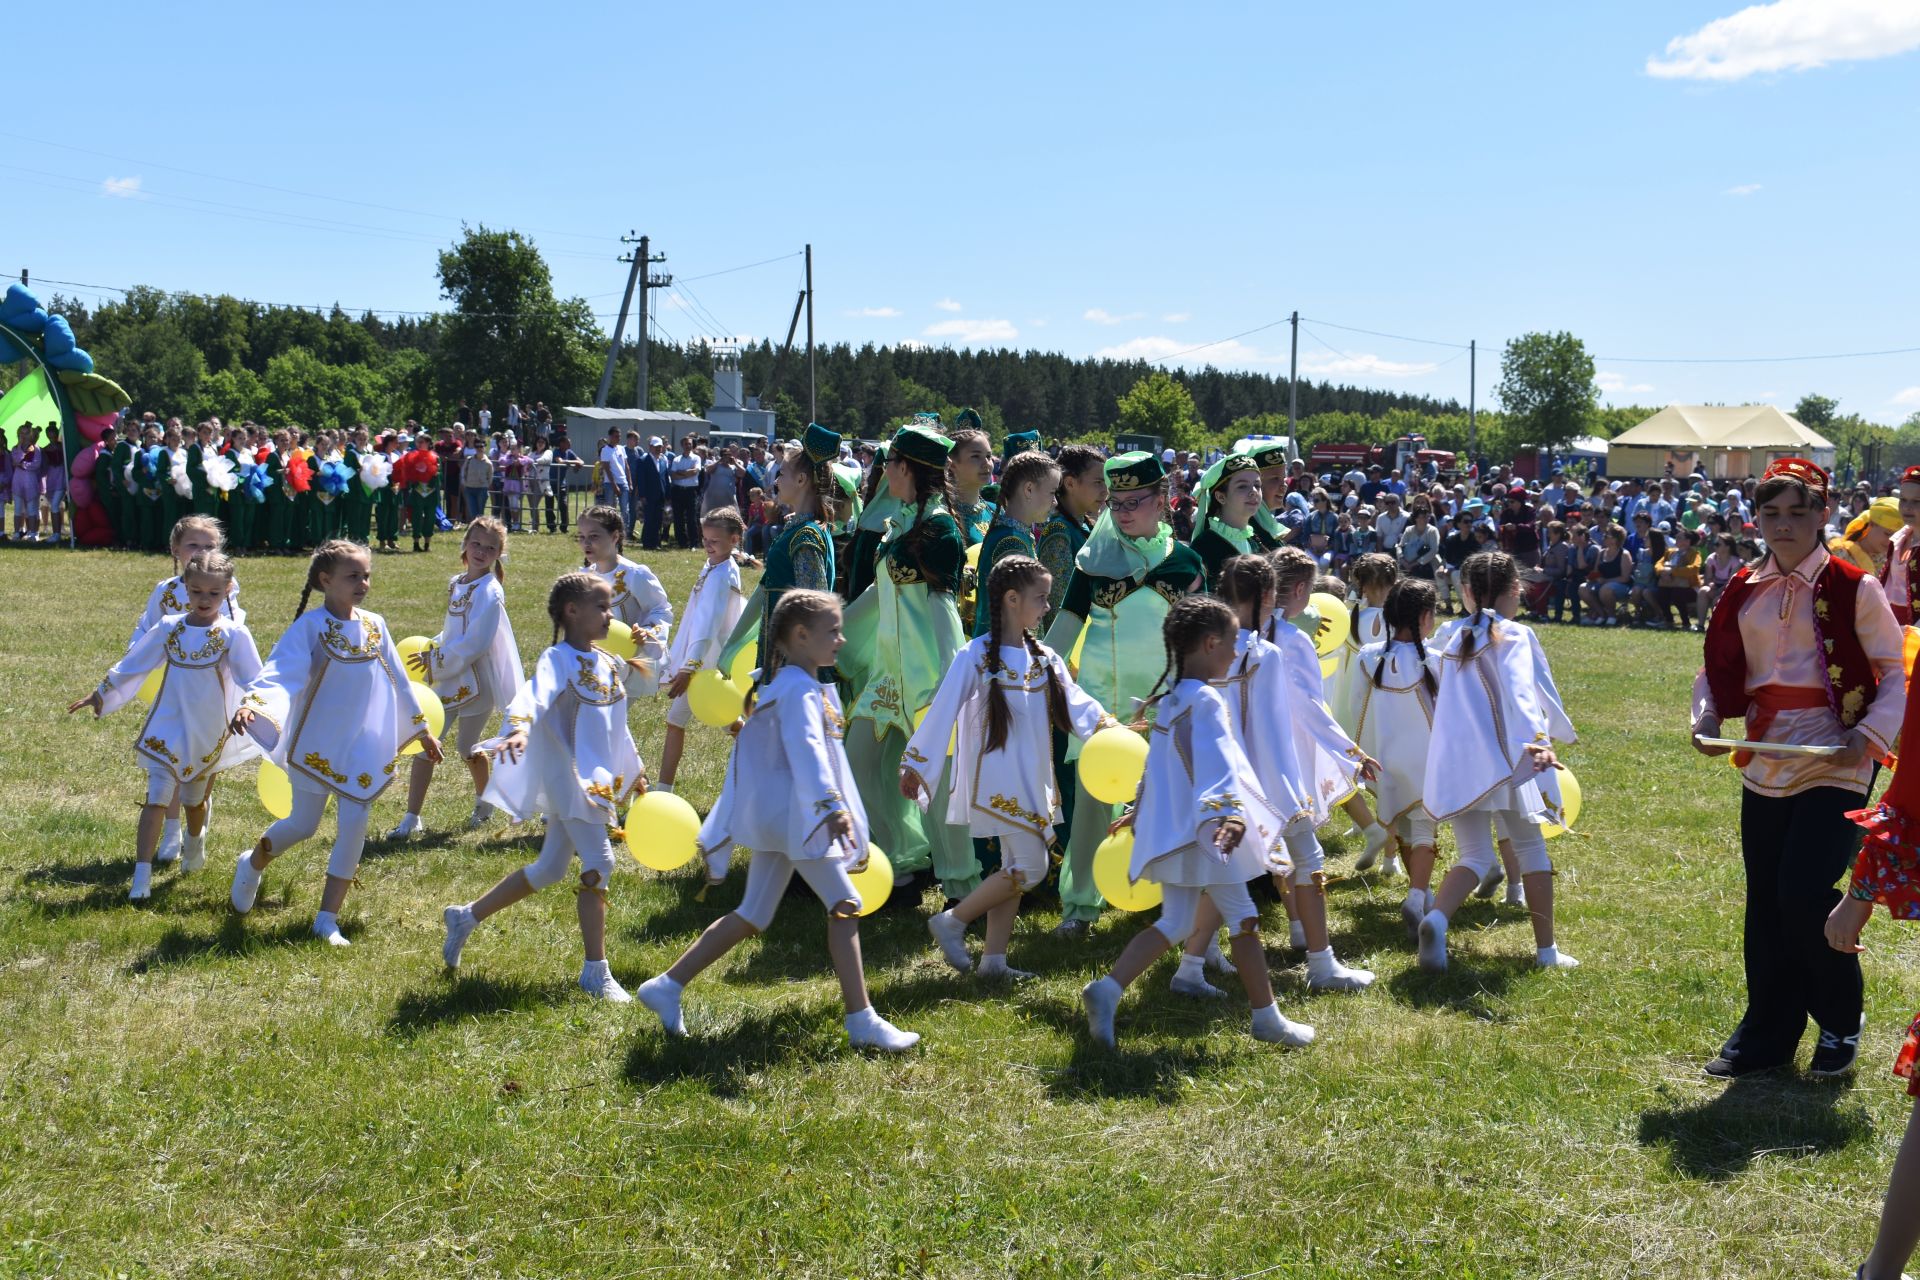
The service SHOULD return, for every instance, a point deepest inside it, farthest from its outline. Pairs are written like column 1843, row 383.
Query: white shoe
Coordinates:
column 598, row 981
column 169, row 849
column 1339, row 978
column 1490, row 881
column 951, row 936
column 1391, row 867
column 1554, row 958
column 662, row 995
column 1433, row 942
column 868, row 1030
column 1195, row 988
column 193, row 852
column 246, row 884
column 459, row 922
column 326, row 927
column 1102, row 1000
column 409, row 826
column 142, row 882
column 481, row 815
column 1377, row 841
column 1273, row 1027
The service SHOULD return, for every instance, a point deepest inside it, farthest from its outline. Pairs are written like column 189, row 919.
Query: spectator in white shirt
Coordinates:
column 1391, row 522
column 613, row 471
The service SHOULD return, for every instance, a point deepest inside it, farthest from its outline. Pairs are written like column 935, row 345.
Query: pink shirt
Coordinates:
column 1898, row 588
column 1776, row 628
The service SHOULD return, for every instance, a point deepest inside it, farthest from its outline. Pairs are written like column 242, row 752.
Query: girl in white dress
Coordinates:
column 709, row 618
column 999, row 704
column 207, row 658
column 1202, row 827
column 789, row 796
column 638, row 598
column 473, row 665
column 1372, row 576
column 1495, row 722
column 192, row 536
column 1390, row 708
column 567, row 753
column 333, row 708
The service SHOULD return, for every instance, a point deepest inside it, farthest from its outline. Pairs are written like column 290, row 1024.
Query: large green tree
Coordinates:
column 1546, row 387
column 508, row 336
column 1157, row 405
column 1816, row 412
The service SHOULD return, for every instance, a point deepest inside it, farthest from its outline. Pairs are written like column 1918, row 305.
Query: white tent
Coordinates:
column 1722, row 441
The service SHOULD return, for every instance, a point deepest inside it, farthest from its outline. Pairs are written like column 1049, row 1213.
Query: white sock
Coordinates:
column 170, row 829
column 1296, row 933
column 1192, row 967
column 1102, row 999
column 1320, row 963
column 1549, row 957
column 326, row 927
column 1269, row 1025
column 997, row 967
column 142, row 880
column 868, row 1030
column 662, row 995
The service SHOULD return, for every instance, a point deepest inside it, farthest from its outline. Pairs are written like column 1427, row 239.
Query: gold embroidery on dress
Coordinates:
column 1110, row 596
column 205, row 656
column 460, row 602
column 323, row 766
column 1013, row 809
column 157, row 746
column 914, row 756
column 343, row 649
column 885, row 695
column 365, row 780
column 587, row 681
column 903, row 575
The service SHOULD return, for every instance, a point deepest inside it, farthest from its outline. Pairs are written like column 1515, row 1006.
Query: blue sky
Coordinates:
column 1672, row 180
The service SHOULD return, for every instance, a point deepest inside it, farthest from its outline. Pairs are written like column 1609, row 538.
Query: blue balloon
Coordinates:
column 21, row 311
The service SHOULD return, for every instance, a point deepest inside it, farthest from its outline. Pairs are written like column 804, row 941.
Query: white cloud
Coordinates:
column 974, row 333
column 1790, row 35
column 1744, row 189
column 1907, row 396
column 1177, row 317
column 947, row 304
column 1230, row 353
column 1614, row 383
column 1100, row 315
column 124, row 188
column 876, row 313
column 1364, row 364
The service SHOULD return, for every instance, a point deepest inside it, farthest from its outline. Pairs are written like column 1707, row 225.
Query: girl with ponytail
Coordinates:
column 638, row 598
column 999, row 704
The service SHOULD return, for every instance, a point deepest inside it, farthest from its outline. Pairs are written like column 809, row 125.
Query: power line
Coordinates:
column 308, row 306
column 1375, row 333
column 746, row 267
column 1219, row 341
column 1840, row 355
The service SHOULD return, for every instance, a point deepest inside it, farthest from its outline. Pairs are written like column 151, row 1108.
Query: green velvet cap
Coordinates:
column 1138, row 470
column 920, row 444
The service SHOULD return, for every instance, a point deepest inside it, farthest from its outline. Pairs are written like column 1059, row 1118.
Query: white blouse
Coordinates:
column 709, row 618
column 204, row 670
column 474, row 662
column 169, row 596
column 641, row 602
column 1260, row 701
column 1393, row 721
column 1328, row 757
column 1197, row 777
column 581, row 763
column 1493, row 704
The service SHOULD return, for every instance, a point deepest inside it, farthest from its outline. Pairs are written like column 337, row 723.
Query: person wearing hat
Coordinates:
column 801, row 555
column 1125, row 580
column 1228, row 499
column 969, row 468
column 1275, row 474
column 901, row 636
column 1869, row 536
column 1804, row 649
column 1016, row 443
column 1903, row 554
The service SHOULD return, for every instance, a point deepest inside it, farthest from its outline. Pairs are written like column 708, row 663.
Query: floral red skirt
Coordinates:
column 1906, row 1065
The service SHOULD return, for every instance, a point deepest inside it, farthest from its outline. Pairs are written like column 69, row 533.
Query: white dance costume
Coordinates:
column 709, row 618
column 1328, row 759
column 788, row 775
column 474, row 662
column 1369, row 627
column 1011, row 793
column 1392, row 720
column 641, row 602
column 184, row 740
column 169, row 596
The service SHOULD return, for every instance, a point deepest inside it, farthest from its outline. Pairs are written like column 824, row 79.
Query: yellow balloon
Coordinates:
column 1112, row 764
column 407, row 648
column 620, row 642
column 1329, row 665
column 1079, row 647
column 434, row 710
column 973, row 556
column 741, row 672
column 920, row 718
column 663, row 831
column 1335, row 622
column 275, row 789
column 150, row 687
column 715, row 700
column 1110, row 875
column 1569, row 804
column 875, row 884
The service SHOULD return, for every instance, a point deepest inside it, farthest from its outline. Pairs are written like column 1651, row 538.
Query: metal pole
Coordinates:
column 619, row 327
column 1473, row 392
column 813, row 403
column 640, row 394
column 1293, row 390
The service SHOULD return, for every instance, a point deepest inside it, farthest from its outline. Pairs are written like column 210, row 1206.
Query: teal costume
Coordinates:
column 1121, row 591
column 1005, row 537
column 1056, row 545
column 1217, row 541
column 1268, row 532
column 356, row 516
column 800, row 559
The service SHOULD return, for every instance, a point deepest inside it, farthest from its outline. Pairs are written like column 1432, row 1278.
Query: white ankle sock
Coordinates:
column 326, row 927
column 997, row 967
column 1320, row 962
column 142, row 880
column 1194, row 967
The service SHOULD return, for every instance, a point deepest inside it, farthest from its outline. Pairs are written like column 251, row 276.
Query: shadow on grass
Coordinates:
column 231, row 938
column 1470, row 985
column 1775, row 1114
column 726, row 1058
column 1159, row 1071
column 456, row 998
column 105, row 886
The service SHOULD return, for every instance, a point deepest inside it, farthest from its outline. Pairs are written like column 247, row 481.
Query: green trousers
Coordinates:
column 357, row 519
column 1079, row 900
column 911, row 840
column 240, row 520
column 386, row 512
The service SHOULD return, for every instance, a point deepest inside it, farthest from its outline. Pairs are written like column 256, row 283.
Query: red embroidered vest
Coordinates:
column 1851, row 681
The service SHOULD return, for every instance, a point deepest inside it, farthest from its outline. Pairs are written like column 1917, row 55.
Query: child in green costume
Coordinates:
column 1227, row 500
column 1027, row 486
column 801, row 557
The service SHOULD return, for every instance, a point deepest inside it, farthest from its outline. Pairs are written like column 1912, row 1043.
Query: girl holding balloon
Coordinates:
column 472, row 665
column 202, row 658
column 999, row 704
column 789, row 796
column 332, row 707
column 639, row 601
column 567, row 753
column 713, row 608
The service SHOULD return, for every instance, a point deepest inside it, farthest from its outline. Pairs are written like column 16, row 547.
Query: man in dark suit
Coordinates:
column 650, row 490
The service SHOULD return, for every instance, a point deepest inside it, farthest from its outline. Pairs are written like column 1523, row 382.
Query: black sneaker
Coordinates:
column 1070, row 930
column 1730, row 1065
column 1835, row 1055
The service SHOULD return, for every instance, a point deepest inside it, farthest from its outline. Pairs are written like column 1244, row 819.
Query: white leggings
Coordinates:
column 162, row 787
column 1023, row 856
column 565, row 838
column 348, row 842
column 470, row 731
column 1180, row 907
column 1416, row 827
column 1473, row 832
column 768, row 873
column 1304, row 848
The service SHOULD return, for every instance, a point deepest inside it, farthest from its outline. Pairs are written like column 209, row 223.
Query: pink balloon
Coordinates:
column 90, row 428
column 80, row 489
column 84, row 462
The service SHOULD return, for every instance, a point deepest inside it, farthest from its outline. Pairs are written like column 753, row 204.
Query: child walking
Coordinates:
column 1495, row 720
column 1202, row 827
column 789, row 796
column 999, row 704
column 713, row 609
column 638, row 598
column 1372, row 577
column 567, row 753
column 472, row 665
column 206, row 658
column 333, row 708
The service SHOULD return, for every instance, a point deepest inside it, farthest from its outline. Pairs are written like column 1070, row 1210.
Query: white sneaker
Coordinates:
column 169, row 849
column 662, row 995
column 1216, row 960
column 1273, row 1027
column 459, row 922
column 409, row 826
column 1377, row 841
column 868, row 1030
column 1339, row 978
column 481, row 815
column 142, row 882
column 193, row 852
column 951, row 936
column 1102, row 1000
column 326, row 927
column 1433, row 942
column 1195, row 988
column 246, row 884
column 598, row 981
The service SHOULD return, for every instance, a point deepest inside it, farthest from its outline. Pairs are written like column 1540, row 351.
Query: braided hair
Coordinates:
column 1074, row 461
column 1017, row 573
column 576, row 587
column 928, row 483
column 214, row 564
column 1486, row 576
column 1246, row 584
column 1291, row 567
column 1029, row 467
column 1191, row 620
column 797, row 608
column 1411, row 600
column 1373, row 569
column 329, row 557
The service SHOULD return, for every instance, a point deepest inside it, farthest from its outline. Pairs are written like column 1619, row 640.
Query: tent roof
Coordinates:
column 1701, row 426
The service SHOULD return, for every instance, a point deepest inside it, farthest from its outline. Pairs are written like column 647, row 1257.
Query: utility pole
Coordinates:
column 1293, row 390
column 619, row 326
column 1473, row 392
column 23, row 277
column 648, row 281
column 813, row 404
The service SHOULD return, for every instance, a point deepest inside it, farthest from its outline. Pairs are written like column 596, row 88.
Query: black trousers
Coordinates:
column 1795, row 848
column 686, row 515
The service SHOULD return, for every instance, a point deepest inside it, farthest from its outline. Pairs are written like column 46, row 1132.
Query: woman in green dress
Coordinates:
column 1228, row 499
column 801, row 557
column 877, row 506
column 1078, row 502
column 902, row 635
column 1125, row 580
column 969, row 471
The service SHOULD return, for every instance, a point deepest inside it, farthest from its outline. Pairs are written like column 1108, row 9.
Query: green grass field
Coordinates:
column 187, row 1093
